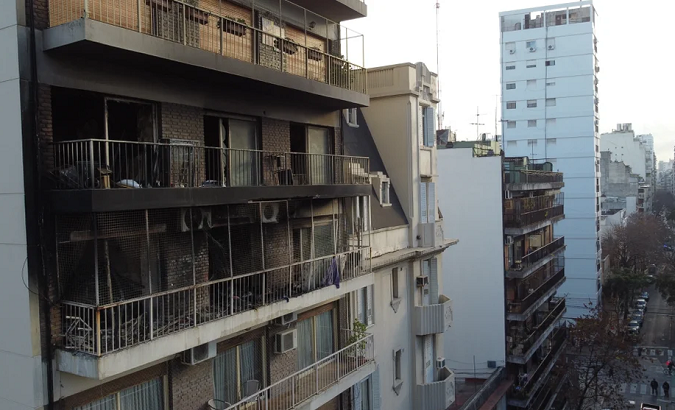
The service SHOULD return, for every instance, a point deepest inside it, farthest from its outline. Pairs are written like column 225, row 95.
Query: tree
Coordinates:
column 599, row 359
column 620, row 287
column 637, row 243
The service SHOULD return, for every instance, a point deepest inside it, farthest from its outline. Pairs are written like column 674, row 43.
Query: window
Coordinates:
column 316, row 339
column 550, row 102
column 510, row 67
column 428, row 206
column 531, row 64
column 510, row 48
column 511, row 86
column 365, row 305
column 351, row 116
column 512, row 144
column 395, row 289
column 531, row 103
column 531, row 143
column 550, row 84
column 366, row 393
column 531, row 45
column 531, row 123
column 550, row 63
column 550, row 121
column 510, row 124
column 428, row 127
column 236, row 366
column 511, row 105
column 398, row 370
column 144, row 396
column 551, row 141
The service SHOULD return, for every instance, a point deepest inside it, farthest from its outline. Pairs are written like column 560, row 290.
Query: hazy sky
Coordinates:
column 635, row 53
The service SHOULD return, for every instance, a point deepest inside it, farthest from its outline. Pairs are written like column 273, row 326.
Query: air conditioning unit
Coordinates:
column 270, row 212
column 492, row 364
column 199, row 353
column 508, row 240
column 532, row 49
column 286, row 319
column 440, row 362
column 285, row 341
column 551, row 47
column 198, row 219
column 512, row 51
column 422, row 281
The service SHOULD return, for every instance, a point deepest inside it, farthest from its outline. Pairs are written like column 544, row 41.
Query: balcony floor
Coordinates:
column 89, row 37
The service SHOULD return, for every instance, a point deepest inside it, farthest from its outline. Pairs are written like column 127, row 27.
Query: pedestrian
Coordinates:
column 670, row 365
column 655, row 387
column 666, row 389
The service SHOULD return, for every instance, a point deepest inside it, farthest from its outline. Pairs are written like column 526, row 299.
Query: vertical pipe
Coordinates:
column 138, row 5
column 184, row 24
column 229, row 248
column 194, row 271
column 149, row 255
column 262, row 249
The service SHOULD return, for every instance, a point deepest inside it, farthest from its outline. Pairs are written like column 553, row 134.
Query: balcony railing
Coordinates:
column 99, row 330
column 529, row 300
column 432, row 319
column 532, row 177
column 437, row 395
column 298, row 47
column 519, row 212
column 558, row 340
column 309, row 382
column 524, row 346
column 535, row 256
column 102, row 164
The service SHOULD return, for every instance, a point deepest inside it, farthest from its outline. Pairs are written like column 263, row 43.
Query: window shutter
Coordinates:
column 359, row 304
column 429, row 129
column 356, row 396
column 369, row 302
column 431, row 194
column 423, row 202
column 375, row 388
column 433, row 281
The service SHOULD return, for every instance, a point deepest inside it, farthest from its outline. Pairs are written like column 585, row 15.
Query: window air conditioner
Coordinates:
column 285, row 341
column 532, row 49
column 286, row 319
column 551, row 47
column 270, row 212
column 199, row 353
column 512, row 51
column 422, row 281
column 440, row 362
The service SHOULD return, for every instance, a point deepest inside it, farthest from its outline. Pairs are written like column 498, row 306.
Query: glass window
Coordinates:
column 305, row 343
column 550, row 102
column 366, row 305
column 235, row 367
column 511, row 67
column 531, row 103
column 365, row 395
column 510, row 124
column 531, row 64
column 531, row 123
column 510, row 105
column 144, row 396
column 511, row 86
column 531, row 45
column 106, row 403
column 395, row 292
column 315, row 339
column 550, row 62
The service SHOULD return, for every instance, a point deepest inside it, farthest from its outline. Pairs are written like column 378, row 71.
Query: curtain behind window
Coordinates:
column 251, row 366
column 324, row 334
column 106, row 403
column 305, row 343
column 225, row 376
column 146, row 396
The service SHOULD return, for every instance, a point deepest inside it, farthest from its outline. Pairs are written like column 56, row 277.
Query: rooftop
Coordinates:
column 548, row 8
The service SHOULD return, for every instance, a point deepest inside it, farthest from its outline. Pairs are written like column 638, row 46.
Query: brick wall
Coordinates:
column 184, row 123
column 46, row 130
column 276, row 137
column 116, row 385
column 41, row 9
column 191, row 386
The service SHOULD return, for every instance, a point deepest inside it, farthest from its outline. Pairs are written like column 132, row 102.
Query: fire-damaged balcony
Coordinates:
column 527, row 295
column 533, row 261
column 138, row 286
column 524, row 344
column 524, row 174
column 103, row 175
column 525, row 390
column 273, row 48
column 433, row 319
column 522, row 215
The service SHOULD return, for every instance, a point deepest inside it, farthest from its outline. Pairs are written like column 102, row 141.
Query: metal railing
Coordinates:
column 287, row 393
column 103, row 164
column 531, row 177
column 540, row 329
column 519, row 212
column 535, row 256
column 522, row 305
column 99, row 330
column 558, row 339
column 234, row 36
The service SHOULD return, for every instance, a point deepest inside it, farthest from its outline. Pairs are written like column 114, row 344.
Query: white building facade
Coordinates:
column 549, row 76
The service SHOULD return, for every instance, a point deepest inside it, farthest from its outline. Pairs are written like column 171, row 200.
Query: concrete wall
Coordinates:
column 625, row 147
column 473, row 270
column 565, row 135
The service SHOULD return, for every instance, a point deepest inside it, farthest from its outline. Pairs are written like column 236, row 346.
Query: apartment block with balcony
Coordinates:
column 535, row 270
column 187, row 223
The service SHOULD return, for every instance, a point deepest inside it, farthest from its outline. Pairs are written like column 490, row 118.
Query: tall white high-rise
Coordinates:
column 550, row 114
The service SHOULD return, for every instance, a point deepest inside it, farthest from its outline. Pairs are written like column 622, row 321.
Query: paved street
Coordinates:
column 658, row 341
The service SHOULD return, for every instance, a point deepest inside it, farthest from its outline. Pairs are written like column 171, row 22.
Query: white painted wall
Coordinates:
column 626, row 148
column 565, row 133
column 20, row 358
column 470, row 198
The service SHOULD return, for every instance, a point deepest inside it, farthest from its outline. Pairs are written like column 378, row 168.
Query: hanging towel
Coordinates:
column 332, row 275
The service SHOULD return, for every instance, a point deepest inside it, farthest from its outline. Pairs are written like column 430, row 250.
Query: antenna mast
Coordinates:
column 477, row 123
column 438, row 66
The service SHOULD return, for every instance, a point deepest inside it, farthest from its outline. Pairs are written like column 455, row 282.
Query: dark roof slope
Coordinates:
column 358, row 141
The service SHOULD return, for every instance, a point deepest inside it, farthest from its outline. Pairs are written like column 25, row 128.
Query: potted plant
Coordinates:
column 314, row 53
column 357, row 342
column 289, row 46
column 233, row 25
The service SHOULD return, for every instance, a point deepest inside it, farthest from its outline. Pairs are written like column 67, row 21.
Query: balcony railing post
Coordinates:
column 220, row 34
column 91, row 161
column 138, row 4
column 184, row 23
column 316, row 376
column 97, row 329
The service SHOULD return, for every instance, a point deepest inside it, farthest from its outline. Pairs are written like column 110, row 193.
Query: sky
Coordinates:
column 635, row 54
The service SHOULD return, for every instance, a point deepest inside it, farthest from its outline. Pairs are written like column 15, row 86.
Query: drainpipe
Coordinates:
column 38, row 259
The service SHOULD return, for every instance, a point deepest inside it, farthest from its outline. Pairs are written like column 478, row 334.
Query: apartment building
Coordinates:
column 549, row 75
column 508, row 247
column 183, row 226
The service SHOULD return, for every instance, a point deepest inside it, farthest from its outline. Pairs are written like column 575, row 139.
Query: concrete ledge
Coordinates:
column 522, row 274
column 113, row 364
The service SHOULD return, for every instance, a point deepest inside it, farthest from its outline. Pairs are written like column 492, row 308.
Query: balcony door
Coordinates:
column 311, row 161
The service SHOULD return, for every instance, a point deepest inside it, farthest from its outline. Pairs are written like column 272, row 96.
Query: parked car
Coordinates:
column 651, row 279
column 645, row 296
column 638, row 316
column 633, row 327
column 641, row 304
